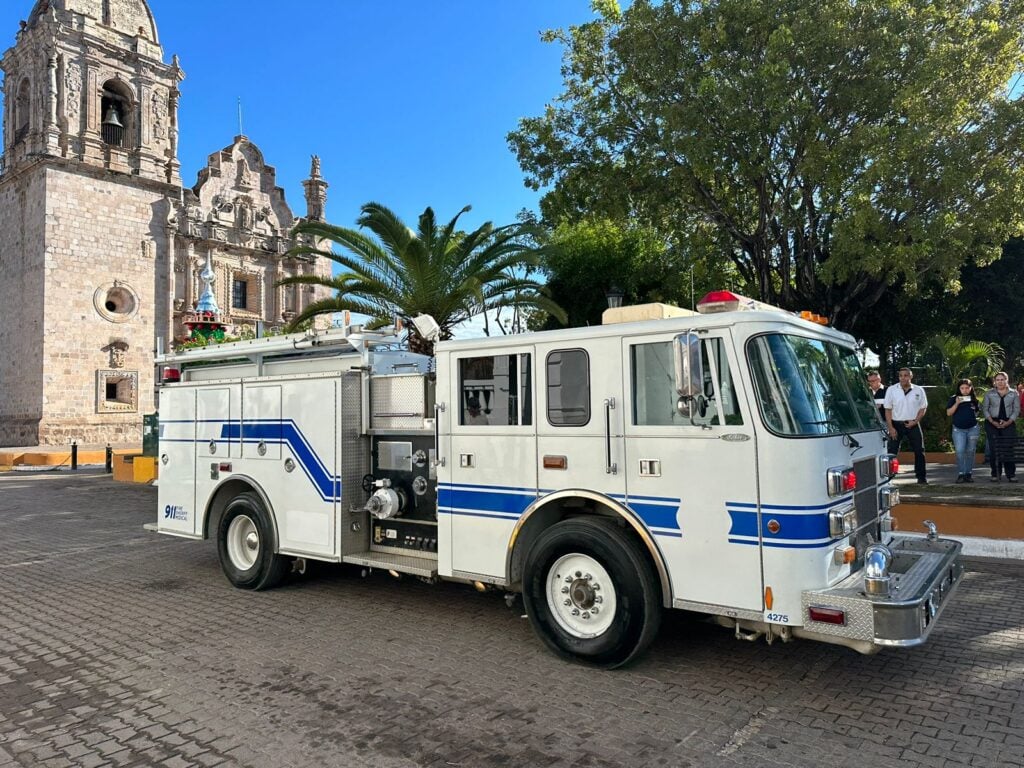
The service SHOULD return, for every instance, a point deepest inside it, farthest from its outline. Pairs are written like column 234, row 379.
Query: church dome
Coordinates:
column 129, row 17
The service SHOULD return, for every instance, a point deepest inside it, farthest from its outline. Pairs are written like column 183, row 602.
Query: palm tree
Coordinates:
column 961, row 357
column 438, row 271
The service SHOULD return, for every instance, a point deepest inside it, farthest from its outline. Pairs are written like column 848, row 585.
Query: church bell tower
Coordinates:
column 88, row 181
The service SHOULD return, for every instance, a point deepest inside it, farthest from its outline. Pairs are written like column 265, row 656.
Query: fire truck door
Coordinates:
column 690, row 467
column 493, row 449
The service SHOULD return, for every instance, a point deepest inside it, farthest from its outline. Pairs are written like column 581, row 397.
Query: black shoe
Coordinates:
column 968, row 479
column 960, row 479
column 1011, row 479
column 922, row 481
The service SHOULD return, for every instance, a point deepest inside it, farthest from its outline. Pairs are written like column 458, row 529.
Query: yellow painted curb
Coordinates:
column 954, row 520
column 10, row 458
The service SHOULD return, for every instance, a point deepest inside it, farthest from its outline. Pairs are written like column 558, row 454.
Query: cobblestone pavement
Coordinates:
column 120, row 647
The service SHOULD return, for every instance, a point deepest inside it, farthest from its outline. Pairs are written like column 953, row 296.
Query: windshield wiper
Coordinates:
column 848, row 439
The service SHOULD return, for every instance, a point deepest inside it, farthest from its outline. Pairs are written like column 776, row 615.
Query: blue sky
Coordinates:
column 407, row 103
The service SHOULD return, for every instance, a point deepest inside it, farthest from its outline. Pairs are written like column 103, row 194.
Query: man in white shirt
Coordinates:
column 905, row 405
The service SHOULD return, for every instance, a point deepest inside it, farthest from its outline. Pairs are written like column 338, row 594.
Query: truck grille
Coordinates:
column 865, row 498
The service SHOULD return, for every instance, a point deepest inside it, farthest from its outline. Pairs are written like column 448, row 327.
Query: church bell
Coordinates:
column 112, row 127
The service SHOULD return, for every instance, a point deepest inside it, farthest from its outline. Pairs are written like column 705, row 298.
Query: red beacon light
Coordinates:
column 171, row 376
column 727, row 301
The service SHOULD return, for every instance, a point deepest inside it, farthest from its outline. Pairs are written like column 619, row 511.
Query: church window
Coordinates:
column 116, row 302
column 115, row 114
column 23, row 110
column 239, row 294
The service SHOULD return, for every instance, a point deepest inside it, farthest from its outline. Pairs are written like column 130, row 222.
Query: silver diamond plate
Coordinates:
column 399, row 402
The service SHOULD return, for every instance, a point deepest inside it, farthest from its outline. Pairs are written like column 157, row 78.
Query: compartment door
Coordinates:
column 177, row 487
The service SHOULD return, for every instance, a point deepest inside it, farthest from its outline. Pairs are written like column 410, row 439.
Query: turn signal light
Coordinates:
column 827, row 615
column 844, row 555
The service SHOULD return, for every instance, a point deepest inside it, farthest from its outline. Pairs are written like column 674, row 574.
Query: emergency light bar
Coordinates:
column 727, row 301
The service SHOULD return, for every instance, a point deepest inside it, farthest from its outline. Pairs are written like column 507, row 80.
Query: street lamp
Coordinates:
column 614, row 295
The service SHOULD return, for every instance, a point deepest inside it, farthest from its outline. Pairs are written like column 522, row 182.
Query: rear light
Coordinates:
column 171, row 376
column 841, row 480
column 888, row 466
column 827, row 615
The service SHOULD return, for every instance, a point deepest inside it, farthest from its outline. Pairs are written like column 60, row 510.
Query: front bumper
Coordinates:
column 925, row 574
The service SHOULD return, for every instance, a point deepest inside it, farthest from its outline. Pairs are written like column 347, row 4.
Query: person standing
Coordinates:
column 963, row 406
column 905, row 406
column 1000, row 407
column 877, row 392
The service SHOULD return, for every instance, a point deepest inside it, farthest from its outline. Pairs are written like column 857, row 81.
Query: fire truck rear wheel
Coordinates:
column 591, row 593
column 245, row 543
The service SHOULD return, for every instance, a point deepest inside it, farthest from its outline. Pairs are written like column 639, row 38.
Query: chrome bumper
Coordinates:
column 924, row 575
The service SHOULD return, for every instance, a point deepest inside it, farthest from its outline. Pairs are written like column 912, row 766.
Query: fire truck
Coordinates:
column 728, row 462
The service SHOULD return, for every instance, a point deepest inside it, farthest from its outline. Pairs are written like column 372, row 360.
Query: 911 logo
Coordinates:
column 174, row 512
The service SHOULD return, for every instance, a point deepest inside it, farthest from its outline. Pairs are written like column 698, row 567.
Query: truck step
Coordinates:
column 415, row 566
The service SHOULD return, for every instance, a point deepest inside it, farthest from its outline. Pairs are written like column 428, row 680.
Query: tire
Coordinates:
column 245, row 544
column 614, row 606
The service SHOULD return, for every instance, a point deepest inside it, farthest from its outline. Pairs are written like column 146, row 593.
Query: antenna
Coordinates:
column 241, row 132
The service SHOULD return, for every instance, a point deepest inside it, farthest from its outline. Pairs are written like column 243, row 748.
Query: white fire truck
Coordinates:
column 729, row 463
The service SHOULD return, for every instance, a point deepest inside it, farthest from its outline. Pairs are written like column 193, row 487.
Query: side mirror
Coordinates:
column 689, row 365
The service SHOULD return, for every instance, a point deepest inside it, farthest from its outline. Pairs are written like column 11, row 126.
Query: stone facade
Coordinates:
column 100, row 243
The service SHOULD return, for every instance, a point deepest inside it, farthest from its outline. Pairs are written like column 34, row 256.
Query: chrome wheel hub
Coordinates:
column 243, row 542
column 581, row 595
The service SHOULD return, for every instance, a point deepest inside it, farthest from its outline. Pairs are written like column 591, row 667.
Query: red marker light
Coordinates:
column 849, row 480
column 827, row 615
column 171, row 376
column 894, row 466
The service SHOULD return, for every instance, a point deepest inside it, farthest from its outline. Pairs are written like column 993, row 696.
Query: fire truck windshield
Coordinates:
column 808, row 387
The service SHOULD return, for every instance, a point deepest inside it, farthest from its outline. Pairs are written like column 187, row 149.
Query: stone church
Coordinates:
column 101, row 246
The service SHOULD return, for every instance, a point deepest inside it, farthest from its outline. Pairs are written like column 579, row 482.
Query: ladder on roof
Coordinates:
column 356, row 338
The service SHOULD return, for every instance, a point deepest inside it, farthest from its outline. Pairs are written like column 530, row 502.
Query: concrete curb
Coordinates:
column 1001, row 549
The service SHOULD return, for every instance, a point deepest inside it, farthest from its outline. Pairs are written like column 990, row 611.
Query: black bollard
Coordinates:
column 74, row 455
column 108, row 465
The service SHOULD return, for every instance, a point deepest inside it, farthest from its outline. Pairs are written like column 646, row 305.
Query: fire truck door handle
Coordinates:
column 609, row 467
column 438, row 458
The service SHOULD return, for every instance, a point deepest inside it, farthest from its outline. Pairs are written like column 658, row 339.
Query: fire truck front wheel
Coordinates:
column 245, row 543
column 591, row 593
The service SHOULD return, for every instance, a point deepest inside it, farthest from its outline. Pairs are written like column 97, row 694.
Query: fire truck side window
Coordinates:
column 654, row 390
column 568, row 388
column 496, row 391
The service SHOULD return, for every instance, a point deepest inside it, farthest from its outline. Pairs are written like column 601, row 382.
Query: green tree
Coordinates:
column 436, row 270
column 587, row 258
column 839, row 149
column 990, row 304
column 962, row 358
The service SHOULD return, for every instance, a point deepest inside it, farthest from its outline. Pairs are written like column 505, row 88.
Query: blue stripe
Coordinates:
column 807, row 527
column 286, row 433
column 656, row 516
column 478, row 500
column 794, row 507
column 482, row 501
column 782, row 545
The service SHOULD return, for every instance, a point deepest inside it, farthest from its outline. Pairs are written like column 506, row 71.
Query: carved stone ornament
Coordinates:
column 159, row 102
column 118, row 350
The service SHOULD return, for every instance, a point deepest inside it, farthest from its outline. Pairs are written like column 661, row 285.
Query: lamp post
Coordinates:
column 614, row 295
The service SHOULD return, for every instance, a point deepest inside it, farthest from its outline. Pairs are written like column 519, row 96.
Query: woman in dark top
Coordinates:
column 964, row 408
